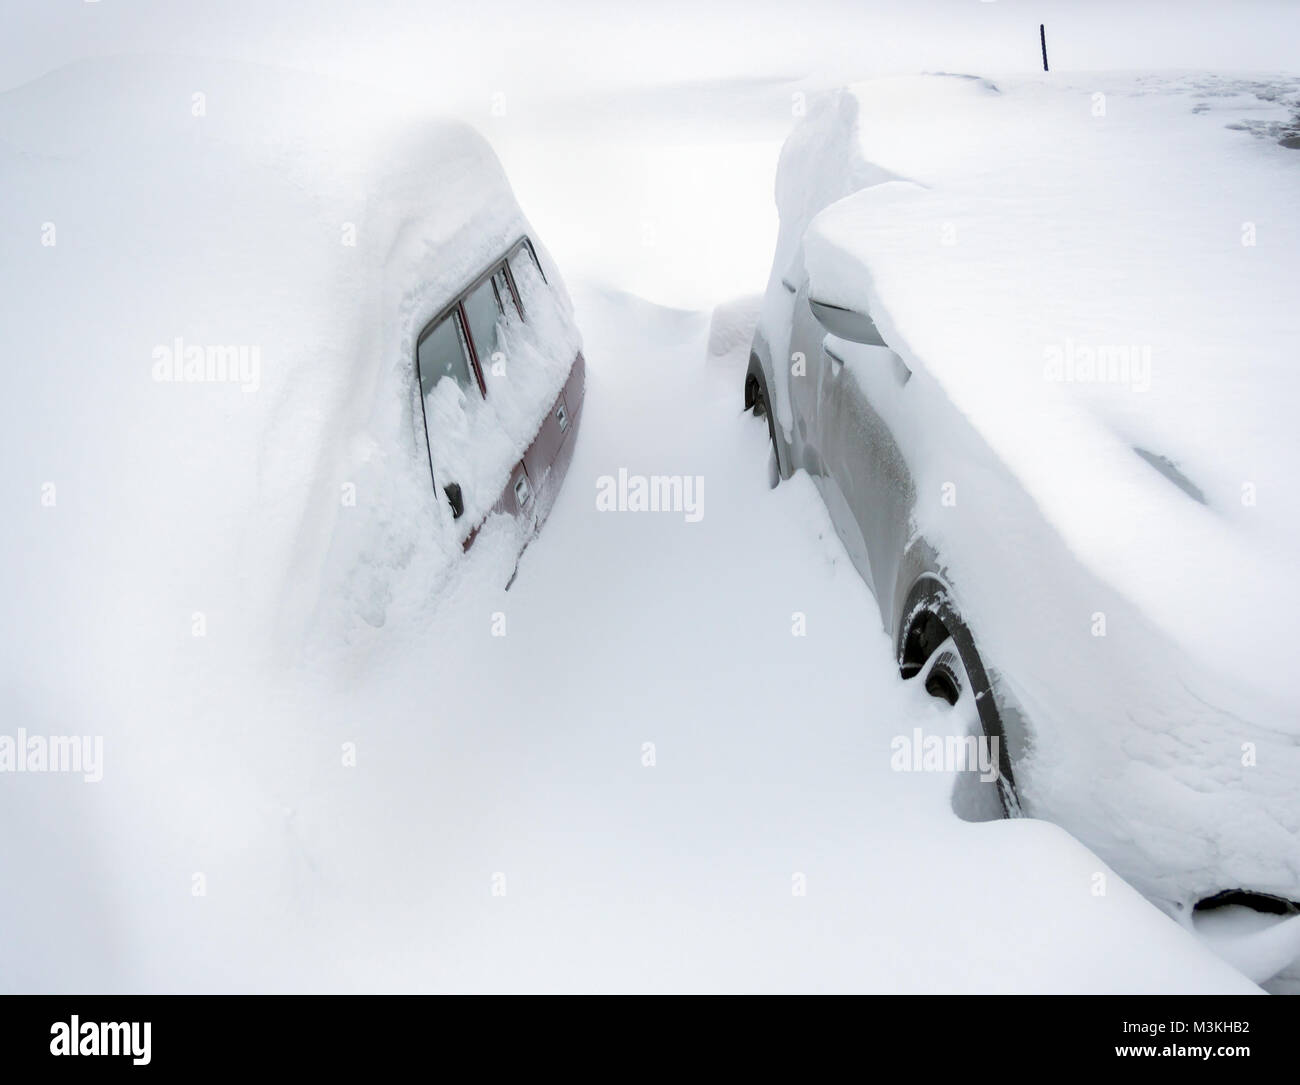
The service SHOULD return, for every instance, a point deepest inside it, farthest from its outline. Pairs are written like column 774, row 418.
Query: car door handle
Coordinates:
column 456, row 499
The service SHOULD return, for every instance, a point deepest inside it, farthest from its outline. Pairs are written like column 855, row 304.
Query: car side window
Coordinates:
column 505, row 293
column 523, row 266
column 442, row 353
column 483, row 312
column 529, row 281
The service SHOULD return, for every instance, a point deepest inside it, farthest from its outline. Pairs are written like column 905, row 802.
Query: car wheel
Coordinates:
column 757, row 400
column 945, row 677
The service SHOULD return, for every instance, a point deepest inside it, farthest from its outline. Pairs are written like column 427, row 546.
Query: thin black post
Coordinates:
column 1042, row 37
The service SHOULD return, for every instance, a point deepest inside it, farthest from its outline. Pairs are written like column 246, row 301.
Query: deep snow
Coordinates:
column 501, row 827
column 431, row 806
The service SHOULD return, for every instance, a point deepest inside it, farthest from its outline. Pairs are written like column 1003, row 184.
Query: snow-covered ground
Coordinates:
column 506, row 824
column 627, row 772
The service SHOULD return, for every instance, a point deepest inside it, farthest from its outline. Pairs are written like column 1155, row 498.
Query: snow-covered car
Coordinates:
column 463, row 357
column 1034, row 341
column 314, row 345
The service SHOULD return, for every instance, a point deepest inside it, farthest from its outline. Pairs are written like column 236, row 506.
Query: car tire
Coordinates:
column 937, row 647
column 759, row 403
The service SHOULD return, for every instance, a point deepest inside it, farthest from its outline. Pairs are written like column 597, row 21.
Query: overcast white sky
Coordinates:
column 459, row 51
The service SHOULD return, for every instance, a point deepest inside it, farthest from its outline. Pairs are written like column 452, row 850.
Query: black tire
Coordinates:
column 937, row 636
column 758, row 403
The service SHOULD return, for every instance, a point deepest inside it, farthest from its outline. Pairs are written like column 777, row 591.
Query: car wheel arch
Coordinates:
column 756, row 381
column 928, row 616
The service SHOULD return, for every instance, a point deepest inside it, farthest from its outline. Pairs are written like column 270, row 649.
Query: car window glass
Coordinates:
column 442, row 354
column 528, row 279
column 483, row 314
column 524, row 268
column 502, row 282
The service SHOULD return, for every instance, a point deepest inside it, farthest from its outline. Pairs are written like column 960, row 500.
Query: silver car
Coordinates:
column 1179, row 774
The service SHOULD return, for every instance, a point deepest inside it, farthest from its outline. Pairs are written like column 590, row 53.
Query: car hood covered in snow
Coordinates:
column 1092, row 280
column 1101, row 276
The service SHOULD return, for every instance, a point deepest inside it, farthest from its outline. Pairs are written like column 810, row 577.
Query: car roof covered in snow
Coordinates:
column 1100, row 274
column 348, row 149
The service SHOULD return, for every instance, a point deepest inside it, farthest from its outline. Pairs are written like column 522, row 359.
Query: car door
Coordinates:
column 863, row 388
column 485, row 306
column 460, row 346
column 820, row 431
column 863, row 477
column 522, row 274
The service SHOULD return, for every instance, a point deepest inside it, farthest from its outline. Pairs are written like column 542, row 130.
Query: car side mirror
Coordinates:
column 456, row 499
column 850, row 324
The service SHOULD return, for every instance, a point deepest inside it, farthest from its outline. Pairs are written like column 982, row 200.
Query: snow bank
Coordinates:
column 217, row 469
column 731, row 328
